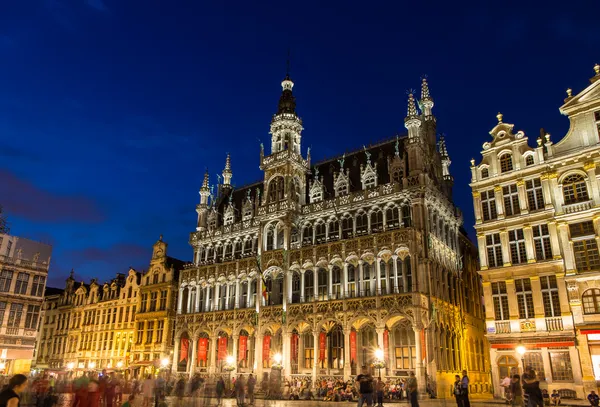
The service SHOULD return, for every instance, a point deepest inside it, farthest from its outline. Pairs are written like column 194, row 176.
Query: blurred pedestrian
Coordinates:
column 10, row 395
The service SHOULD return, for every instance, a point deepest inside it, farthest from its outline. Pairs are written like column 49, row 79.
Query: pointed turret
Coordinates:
column 412, row 122
column 227, row 174
column 286, row 126
column 426, row 100
column 205, row 190
column 444, row 157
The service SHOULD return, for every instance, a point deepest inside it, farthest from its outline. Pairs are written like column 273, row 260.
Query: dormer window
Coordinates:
column 575, row 189
column 485, row 173
column 229, row 216
column 529, row 160
column 316, row 194
column 276, row 189
column 342, row 189
column 369, row 182
column 397, row 176
column 506, row 163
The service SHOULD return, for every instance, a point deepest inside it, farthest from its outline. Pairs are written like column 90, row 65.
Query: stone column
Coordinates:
column 316, row 282
column 499, row 201
column 563, row 295
column 207, row 299
column 590, row 168
column 179, row 300
column 529, row 245
column 546, row 191
column 329, row 282
column 216, row 299
column 192, row 366
column 538, row 303
column 227, row 296
column 285, row 353
column 300, row 353
column 198, row 290
column 302, row 299
column 395, row 265
column 419, row 367
column 557, row 192
column 359, row 280
column 213, row 354
column 175, row 361
column 378, row 276
column 316, row 358
column 258, row 355
column 347, row 357
column 248, row 293
column 236, row 339
column 477, row 206
column 345, row 282
column 505, row 248
column 522, row 197
column 554, row 241
column 483, row 261
column 237, row 293
column 567, row 246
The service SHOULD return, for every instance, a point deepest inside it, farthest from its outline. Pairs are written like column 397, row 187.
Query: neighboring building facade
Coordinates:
column 324, row 264
column 23, row 272
column 90, row 327
column 155, row 317
column 537, row 215
column 48, row 323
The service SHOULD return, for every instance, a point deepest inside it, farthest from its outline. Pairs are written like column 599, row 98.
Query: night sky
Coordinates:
column 111, row 109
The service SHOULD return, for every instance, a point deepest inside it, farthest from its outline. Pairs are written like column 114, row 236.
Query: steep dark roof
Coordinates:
column 380, row 153
column 53, row 291
column 239, row 196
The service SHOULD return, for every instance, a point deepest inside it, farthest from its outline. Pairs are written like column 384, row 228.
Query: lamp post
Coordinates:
column 379, row 362
column 229, row 367
column 521, row 350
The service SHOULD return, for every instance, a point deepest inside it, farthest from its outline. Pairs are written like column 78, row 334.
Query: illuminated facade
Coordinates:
column 88, row 327
column 537, row 215
column 23, row 272
column 323, row 264
column 155, row 317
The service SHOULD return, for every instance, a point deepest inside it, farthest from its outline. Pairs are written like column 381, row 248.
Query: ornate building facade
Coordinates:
column 537, row 215
column 23, row 272
column 89, row 327
column 322, row 268
column 155, row 317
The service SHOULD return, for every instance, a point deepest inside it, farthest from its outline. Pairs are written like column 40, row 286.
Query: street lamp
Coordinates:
column 521, row 350
column 119, row 364
column 164, row 362
column 277, row 358
column 92, row 365
column 379, row 362
column 70, row 365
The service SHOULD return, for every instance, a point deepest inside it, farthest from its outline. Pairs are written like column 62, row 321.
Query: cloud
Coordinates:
column 22, row 198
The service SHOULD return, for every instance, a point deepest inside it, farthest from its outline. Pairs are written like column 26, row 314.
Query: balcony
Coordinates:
column 578, row 207
column 554, row 324
column 503, row 327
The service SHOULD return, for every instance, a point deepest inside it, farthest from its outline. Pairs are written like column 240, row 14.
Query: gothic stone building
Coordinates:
column 319, row 269
column 537, row 215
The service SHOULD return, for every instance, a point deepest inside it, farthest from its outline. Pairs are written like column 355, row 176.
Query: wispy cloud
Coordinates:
column 22, row 198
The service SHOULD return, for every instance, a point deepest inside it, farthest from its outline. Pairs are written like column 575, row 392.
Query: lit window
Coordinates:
column 535, row 195
column 591, row 301
column 575, row 189
column 511, row 200
column 518, row 253
column 494, row 250
column 485, row 173
column 561, row 366
column 506, row 163
column 488, row 205
column 524, row 298
column 550, row 296
column 529, row 160
column 541, row 240
column 369, row 182
column 500, row 298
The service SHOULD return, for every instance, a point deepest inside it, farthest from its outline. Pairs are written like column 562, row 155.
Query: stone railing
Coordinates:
column 502, row 327
column 554, row 324
column 281, row 156
column 42, row 266
column 578, row 207
column 358, row 196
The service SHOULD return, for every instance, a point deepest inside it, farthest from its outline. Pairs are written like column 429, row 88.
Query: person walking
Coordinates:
column 148, row 391
column 531, row 386
column 457, row 391
column 413, row 390
column 219, row 390
column 380, row 390
column 11, row 394
column 240, row 385
column 464, row 383
column 365, row 388
column 251, row 385
column 516, row 391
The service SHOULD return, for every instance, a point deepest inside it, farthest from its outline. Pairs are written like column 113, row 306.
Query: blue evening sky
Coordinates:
column 111, row 109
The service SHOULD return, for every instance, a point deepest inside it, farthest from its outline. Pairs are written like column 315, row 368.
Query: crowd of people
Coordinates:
column 524, row 390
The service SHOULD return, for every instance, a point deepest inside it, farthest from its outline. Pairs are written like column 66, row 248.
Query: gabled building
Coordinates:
column 321, row 268
column 537, row 210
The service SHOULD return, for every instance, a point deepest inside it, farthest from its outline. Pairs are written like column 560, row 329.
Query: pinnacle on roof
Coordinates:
column 597, row 76
column 205, row 182
column 425, row 95
column 499, row 116
column 227, row 164
column 287, row 101
column 412, row 107
column 442, row 147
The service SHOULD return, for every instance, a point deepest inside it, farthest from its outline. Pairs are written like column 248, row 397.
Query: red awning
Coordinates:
column 533, row 345
column 590, row 331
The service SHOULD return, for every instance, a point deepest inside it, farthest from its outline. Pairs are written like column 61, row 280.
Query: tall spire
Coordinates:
column 444, row 157
column 426, row 100
column 227, row 171
column 205, row 182
column 287, row 101
column 442, row 147
column 411, row 121
column 205, row 189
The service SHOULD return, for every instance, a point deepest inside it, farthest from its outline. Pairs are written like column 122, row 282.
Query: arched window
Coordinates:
column 333, row 232
column 406, row 218
column 218, row 252
column 575, row 189
column 383, row 277
column 404, row 346
column 336, row 282
column 362, row 223
column 238, row 248
column 244, row 294
column 368, row 338
column 506, row 162
column 376, row 221
column 392, row 220
column 228, row 250
column 591, row 301
column 270, row 238
column 308, row 342
column 247, row 245
column 529, row 160
column 485, row 173
column 397, row 176
column 244, row 356
column 347, row 227
column 366, row 281
column 507, row 366
column 295, row 288
column 320, row 232
column 322, row 288
column 406, row 270
column 309, row 286
column 279, row 240
column 351, row 281
column 307, row 235
column 336, row 348
column 341, row 188
column 370, row 181
column 276, row 189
